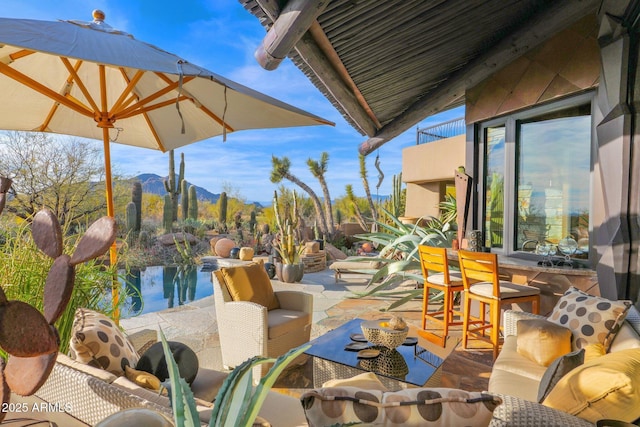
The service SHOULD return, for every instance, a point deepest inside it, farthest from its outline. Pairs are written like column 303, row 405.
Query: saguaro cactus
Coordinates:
column 130, row 219
column 167, row 214
column 136, row 198
column 222, row 208
column 193, row 203
column 184, row 199
column 172, row 183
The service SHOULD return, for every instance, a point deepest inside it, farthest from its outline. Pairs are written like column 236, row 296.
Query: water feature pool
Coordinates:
column 157, row 288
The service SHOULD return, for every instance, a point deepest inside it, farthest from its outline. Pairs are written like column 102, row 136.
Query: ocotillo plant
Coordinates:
column 167, row 214
column 184, row 199
column 193, row 203
column 172, row 183
column 136, row 198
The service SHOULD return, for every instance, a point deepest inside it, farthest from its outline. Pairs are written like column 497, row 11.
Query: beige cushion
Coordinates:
column 250, row 282
column 605, row 387
column 282, row 321
column 99, row 373
column 542, row 341
column 97, row 341
column 366, row 380
column 507, row 289
column 438, row 278
column 410, row 407
column 350, row 263
column 515, row 375
column 626, row 338
column 558, row 369
column 592, row 319
column 511, row 361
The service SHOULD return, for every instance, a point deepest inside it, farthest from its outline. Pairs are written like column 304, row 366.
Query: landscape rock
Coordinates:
column 170, row 239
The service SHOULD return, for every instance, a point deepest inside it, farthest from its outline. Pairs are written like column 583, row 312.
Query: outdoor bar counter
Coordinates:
column 552, row 281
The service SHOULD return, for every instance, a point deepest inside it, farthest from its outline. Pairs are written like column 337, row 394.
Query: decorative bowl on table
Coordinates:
column 389, row 333
column 389, row 363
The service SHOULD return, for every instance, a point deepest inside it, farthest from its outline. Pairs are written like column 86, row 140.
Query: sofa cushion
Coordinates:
column 605, row 387
column 515, row 375
column 366, row 380
column 558, row 369
column 250, row 282
column 97, row 341
column 542, row 341
column 515, row 412
column 628, row 336
column 410, row 407
column 154, row 362
column 591, row 319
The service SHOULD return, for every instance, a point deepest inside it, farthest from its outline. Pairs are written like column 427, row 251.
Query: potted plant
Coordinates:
column 289, row 268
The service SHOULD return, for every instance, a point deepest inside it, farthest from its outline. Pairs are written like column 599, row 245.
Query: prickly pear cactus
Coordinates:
column 29, row 336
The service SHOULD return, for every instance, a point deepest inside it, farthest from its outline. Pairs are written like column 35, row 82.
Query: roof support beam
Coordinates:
column 291, row 24
column 538, row 29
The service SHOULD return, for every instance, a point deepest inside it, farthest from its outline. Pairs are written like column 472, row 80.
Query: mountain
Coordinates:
column 152, row 183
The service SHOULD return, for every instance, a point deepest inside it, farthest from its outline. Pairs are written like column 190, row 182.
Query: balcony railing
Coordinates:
column 444, row 130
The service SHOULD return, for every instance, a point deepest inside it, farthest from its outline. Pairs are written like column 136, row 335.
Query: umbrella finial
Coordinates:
column 98, row 15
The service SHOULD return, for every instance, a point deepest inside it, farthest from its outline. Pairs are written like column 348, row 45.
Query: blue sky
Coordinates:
column 221, row 36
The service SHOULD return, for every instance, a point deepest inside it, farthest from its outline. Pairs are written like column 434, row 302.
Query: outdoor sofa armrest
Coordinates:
column 510, row 321
column 295, row 300
column 516, row 412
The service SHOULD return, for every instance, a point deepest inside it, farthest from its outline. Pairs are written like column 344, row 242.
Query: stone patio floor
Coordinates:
column 194, row 324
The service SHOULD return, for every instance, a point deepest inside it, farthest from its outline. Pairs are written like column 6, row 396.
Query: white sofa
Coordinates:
column 79, row 395
column 516, row 378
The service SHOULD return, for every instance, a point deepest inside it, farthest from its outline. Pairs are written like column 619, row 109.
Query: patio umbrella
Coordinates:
column 89, row 80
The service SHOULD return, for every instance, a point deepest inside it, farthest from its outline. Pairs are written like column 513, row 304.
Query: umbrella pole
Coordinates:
column 113, row 254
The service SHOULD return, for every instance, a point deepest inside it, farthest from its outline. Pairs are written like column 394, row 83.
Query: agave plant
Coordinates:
column 399, row 257
column 237, row 402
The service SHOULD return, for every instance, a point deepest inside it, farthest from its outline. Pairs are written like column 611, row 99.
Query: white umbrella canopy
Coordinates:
column 89, row 80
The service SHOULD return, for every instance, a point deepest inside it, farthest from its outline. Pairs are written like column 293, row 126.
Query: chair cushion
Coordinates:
column 507, row 289
column 592, row 319
column 410, row 407
column 438, row 278
column 558, row 369
column 282, row 321
column 605, row 387
column 250, row 282
column 97, row 341
column 542, row 341
column 154, row 361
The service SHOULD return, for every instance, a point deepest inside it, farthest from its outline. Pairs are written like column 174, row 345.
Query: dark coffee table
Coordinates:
column 399, row 368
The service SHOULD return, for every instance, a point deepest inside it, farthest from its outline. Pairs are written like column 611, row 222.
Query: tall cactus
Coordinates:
column 167, row 214
column 136, row 198
column 252, row 223
column 193, row 203
column 184, row 199
column 222, row 208
column 130, row 219
column 172, row 183
column 396, row 195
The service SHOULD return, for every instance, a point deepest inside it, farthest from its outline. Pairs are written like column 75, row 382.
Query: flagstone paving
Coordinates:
column 195, row 325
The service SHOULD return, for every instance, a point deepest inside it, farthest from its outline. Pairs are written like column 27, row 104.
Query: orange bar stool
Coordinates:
column 435, row 270
column 482, row 283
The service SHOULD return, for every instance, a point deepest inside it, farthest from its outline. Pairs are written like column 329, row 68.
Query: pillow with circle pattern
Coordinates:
column 410, row 407
column 591, row 319
column 97, row 341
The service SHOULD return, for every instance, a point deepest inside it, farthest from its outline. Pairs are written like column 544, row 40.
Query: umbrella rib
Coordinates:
column 64, row 92
column 148, row 99
column 79, row 82
column 39, row 87
column 151, row 107
column 198, row 104
column 127, row 91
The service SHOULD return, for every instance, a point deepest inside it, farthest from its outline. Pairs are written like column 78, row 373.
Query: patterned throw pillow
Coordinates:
column 411, row 407
column 97, row 341
column 592, row 319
